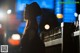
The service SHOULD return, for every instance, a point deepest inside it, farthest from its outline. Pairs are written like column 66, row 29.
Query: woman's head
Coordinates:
column 32, row 11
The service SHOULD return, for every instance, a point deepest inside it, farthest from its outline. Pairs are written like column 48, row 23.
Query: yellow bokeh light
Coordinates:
column 60, row 16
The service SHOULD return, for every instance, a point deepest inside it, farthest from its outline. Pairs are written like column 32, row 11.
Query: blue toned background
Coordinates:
column 67, row 10
column 49, row 4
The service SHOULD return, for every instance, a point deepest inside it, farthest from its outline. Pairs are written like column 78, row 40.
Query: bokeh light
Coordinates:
column 13, row 42
column 60, row 16
column 47, row 26
column 15, row 37
column 9, row 11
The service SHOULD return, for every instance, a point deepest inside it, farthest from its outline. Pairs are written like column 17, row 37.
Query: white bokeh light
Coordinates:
column 62, row 24
column 47, row 26
column 9, row 11
column 75, row 14
column 15, row 37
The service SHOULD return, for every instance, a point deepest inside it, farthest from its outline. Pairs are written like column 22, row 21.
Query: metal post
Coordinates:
column 79, row 20
column 62, row 24
column 79, row 30
column 68, row 42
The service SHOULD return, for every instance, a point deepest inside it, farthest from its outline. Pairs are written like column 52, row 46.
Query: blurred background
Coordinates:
column 55, row 12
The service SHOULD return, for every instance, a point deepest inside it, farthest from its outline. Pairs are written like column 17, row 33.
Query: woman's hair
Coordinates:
column 32, row 10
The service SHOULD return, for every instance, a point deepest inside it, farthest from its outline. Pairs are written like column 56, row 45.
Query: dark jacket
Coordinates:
column 31, row 42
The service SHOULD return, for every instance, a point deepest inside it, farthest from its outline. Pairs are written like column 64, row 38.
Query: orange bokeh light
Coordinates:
column 13, row 42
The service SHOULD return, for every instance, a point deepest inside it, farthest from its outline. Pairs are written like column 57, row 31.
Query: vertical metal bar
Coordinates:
column 79, row 20
column 62, row 24
column 68, row 42
column 79, row 33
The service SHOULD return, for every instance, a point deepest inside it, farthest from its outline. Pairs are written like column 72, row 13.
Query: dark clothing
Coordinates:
column 31, row 43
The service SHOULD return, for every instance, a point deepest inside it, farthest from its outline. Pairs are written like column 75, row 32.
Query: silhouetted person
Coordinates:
column 31, row 42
